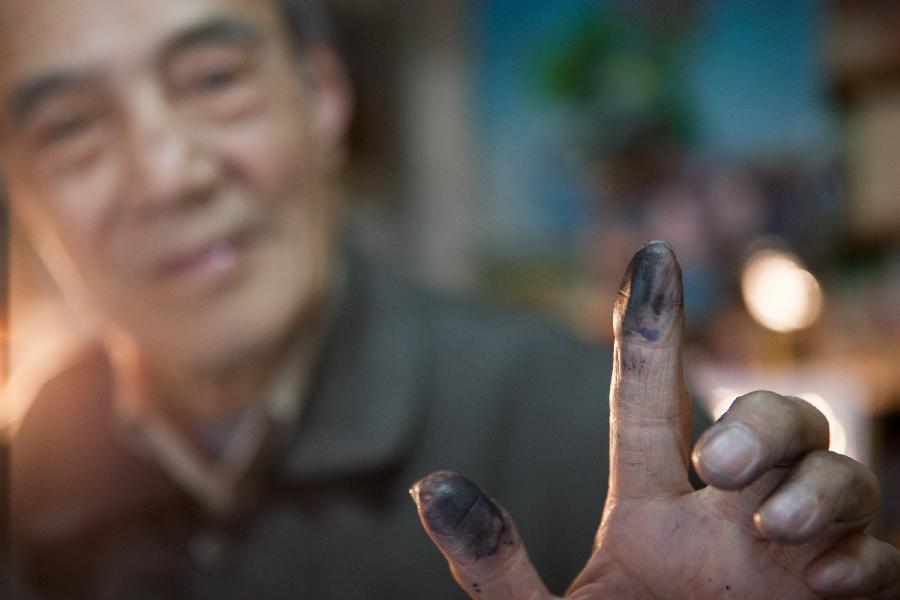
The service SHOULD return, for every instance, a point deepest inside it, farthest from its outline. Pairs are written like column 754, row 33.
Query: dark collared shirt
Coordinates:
column 408, row 382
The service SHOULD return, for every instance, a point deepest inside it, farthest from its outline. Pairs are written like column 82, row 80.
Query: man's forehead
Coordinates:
column 38, row 36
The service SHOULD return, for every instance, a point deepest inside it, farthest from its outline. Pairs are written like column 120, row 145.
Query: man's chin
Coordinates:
column 224, row 344
column 216, row 359
column 241, row 327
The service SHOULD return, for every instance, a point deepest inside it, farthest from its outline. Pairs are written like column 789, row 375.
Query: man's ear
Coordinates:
column 332, row 98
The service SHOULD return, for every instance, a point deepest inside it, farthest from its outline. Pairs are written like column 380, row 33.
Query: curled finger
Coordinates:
column 859, row 567
column 762, row 430
column 825, row 492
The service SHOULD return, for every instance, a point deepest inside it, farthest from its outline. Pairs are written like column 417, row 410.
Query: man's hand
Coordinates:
column 782, row 518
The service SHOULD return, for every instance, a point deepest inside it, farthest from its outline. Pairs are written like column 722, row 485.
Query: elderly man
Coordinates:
column 262, row 396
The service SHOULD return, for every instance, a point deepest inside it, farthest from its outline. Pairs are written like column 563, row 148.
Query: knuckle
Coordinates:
column 805, row 422
column 844, row 476
column 801, row 410
column 771, row 412
column 824, row 475
column 809, row 413
column 867, row 483
column 821, row 461
column 775, row 408
column 845, row 479
column 789, row 426
column 756, row 411
column 758, row 402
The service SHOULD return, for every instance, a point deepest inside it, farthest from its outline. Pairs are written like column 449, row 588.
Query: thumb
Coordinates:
column 478, row 539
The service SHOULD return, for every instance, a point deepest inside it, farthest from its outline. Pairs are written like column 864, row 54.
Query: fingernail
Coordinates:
column 730, row 454
column 454, row 507
column 792, row 510
column 650, row 297
column 839, row 573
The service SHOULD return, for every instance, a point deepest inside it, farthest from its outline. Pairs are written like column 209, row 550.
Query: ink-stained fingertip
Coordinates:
column 662, row 243
column 651, row 296
column 461, row 519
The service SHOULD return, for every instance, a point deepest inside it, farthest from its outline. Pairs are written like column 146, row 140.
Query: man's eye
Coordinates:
column 218, row 80
column 66, row 129
column 71, row 139
column 215, row 81
column 69, row 128
column 223, row 88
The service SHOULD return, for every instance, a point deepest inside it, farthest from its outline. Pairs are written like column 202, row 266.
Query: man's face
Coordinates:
column 171, row 158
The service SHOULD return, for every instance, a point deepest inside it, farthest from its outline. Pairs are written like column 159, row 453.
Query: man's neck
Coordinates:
column 194, row 399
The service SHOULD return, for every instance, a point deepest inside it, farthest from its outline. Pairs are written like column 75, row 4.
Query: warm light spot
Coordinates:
column 779, row 293
column 838, row 433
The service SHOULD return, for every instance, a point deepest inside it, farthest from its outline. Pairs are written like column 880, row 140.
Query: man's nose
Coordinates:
column 170, row 166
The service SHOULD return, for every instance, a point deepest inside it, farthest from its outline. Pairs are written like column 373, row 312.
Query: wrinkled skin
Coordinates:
column 172, row 162
column 781, row 519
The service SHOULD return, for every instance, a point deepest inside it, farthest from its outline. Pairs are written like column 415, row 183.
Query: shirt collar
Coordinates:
column 368, row 400
column 214, row 478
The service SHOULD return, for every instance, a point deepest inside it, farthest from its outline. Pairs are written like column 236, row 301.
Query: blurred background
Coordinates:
column 522, row 150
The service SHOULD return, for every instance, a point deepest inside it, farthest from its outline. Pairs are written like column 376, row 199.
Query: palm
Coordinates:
column 715, row 555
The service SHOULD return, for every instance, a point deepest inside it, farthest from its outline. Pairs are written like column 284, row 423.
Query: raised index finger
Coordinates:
column 650, row 412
